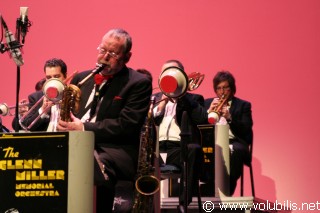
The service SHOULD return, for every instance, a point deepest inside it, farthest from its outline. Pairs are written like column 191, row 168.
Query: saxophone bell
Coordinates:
column 147, row 185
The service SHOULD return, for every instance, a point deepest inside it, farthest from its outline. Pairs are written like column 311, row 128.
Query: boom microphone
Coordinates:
column 24, row 22
column 13, row 45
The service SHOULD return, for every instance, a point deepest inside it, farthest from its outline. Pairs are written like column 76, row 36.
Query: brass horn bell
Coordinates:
column 173, row 82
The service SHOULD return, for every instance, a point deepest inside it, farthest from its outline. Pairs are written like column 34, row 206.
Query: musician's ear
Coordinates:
column 127, row 57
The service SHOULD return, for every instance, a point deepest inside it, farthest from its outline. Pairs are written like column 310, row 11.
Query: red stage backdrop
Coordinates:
column 272, row 48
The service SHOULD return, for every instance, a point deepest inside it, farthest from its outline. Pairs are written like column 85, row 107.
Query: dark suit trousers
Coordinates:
column 238, row 157
column 119, row 165
column 194, row 165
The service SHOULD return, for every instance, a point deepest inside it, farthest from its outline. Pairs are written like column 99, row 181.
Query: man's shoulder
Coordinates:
column 83, row 74
column 79, row 76
column 207, row 102
column 240, row 100
column 36, row 95
column 195, row 96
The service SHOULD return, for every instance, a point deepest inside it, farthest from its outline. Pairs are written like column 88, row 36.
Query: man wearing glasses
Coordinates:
column 114, row 104
column 237, row 114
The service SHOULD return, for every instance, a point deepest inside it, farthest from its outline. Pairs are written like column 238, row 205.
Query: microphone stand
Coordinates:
column 185, row 136
column 16, row 116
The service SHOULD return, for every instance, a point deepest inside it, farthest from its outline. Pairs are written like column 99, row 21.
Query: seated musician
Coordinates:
column 167, row 115
column 237, row 114
column 53, row 68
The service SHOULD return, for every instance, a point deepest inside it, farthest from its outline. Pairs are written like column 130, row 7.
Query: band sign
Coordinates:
column 34, row 172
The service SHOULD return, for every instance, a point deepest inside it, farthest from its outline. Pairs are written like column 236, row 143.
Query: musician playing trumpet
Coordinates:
column 236, row 113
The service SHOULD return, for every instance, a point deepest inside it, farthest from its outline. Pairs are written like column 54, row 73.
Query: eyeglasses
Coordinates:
column 110, row 53
column 223, row 88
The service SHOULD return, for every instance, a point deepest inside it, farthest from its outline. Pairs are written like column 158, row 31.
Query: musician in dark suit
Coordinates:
column 168, row 116
column 114, row 108
column 237, row 114
column 53, row 68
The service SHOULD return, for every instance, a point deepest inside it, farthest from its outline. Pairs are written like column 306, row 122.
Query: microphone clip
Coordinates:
column 3, row 48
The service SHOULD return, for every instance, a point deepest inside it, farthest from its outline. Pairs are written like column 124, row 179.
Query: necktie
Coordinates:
column 98, row 79
column 98, row 92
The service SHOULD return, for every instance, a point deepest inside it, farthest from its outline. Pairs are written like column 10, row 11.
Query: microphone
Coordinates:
column 13, row 45
column 24, row 22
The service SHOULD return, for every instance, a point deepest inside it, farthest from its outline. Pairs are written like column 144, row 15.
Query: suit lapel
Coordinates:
column 85, row 94
column 234, row 106
column 118, row 83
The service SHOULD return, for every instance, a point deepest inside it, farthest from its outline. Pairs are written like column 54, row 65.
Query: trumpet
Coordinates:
column 6, row 110
column 215, row 113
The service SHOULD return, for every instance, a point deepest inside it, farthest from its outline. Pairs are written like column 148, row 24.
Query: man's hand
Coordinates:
column 76, row 124
column 23, row 107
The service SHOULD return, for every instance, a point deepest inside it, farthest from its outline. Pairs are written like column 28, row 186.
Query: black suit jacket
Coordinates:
column 241, row 124
column 123, row 109
column 193, row 104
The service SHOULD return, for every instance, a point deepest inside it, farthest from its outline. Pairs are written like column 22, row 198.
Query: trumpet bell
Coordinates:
column 4, row 109
column 213, row 117
column 53, row 89
column 173, row 82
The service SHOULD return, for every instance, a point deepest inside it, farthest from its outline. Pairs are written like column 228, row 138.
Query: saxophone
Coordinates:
column 70, row 102
column 146, row 184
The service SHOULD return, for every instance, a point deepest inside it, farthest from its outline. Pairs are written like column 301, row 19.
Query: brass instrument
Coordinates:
column 59, row 92
column 53, row 89
column 214, row 114
column 174, row 83
column 195, row 79
column 5, row 109
column 146, row 184
column 70, row 102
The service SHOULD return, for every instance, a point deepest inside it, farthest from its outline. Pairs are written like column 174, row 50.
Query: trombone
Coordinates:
column 53, row 89
column 174, row 82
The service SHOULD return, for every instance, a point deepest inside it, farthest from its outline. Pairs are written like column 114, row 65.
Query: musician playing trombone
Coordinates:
column 53, row 68
column 168, row 116
column 237, row 114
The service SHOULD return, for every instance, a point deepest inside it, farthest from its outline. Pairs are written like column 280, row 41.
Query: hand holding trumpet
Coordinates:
column 224, row 111
column 219, row 108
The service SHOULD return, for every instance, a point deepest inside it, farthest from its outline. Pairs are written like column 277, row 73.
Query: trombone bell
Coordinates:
column 53, row 89
column 173, row 82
